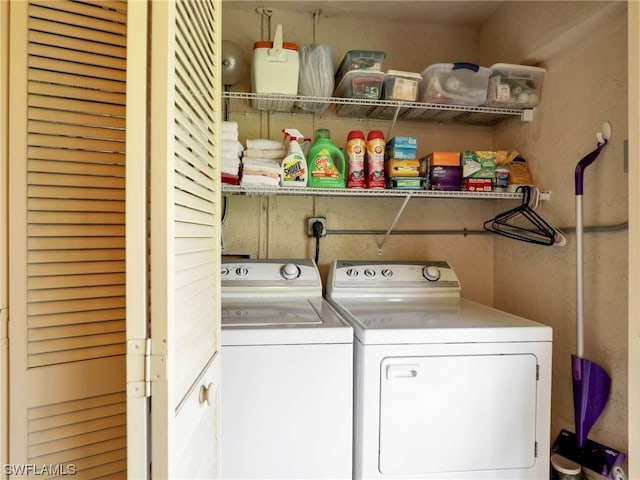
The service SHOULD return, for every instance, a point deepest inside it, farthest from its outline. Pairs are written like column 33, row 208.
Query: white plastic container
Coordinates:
column 455, row 83
column 275, row 69
column 402, row 85
column 514, row 86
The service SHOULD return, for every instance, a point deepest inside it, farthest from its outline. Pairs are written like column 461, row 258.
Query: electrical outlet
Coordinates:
column 311, row 221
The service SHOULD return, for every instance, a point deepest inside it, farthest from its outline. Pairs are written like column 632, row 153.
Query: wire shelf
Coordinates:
column 385, row 109
column 265, row 190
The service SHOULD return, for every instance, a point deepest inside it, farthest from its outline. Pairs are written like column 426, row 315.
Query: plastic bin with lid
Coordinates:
column 362, row 60
column 402, row 86
column 360, row 84
column 514, row 86
column 455, row 83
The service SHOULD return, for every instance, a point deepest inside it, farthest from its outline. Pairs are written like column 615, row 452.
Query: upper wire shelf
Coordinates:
column 394, row 109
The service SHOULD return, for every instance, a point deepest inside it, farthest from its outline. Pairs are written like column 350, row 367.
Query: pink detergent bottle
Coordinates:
column 355, row 150
column 375, row 159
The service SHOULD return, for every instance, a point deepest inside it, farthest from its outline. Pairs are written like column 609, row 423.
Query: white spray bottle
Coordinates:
column 294, row 170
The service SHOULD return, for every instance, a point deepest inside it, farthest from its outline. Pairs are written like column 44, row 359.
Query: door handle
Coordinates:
column 207, row 394
column 395, row 372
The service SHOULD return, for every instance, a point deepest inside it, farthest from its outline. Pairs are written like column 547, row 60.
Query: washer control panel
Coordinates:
column 268, row 275
column 392, row 277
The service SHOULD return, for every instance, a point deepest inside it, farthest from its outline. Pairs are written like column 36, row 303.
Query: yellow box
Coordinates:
column 402, row 168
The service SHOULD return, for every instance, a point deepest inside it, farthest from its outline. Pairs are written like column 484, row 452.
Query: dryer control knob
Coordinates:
column 431, row 273
column 289, row 271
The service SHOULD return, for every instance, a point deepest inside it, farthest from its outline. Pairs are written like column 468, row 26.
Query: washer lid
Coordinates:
column 435, row 320
column 243, row 314
column 278, row 322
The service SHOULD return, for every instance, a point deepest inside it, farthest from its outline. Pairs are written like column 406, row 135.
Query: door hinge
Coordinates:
column 535, row 449
column 537, row 372
column 139, row 367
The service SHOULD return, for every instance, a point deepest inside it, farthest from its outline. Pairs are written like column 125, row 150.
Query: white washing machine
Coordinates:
column 287, row 374
column 444, row 388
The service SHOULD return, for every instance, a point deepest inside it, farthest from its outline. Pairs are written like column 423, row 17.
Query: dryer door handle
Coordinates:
column 402, row 371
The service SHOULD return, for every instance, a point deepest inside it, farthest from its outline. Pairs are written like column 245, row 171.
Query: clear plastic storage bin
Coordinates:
column 455, row 83
column 514, row 86
column 402, row 85
column 360, row 60
column 360, row 84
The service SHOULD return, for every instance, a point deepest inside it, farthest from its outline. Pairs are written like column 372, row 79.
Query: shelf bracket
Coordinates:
column 527, row 115
column 393, row 223
column 393, row 121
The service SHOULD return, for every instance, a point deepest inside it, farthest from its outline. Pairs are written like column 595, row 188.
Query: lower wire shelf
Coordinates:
column 265, row 190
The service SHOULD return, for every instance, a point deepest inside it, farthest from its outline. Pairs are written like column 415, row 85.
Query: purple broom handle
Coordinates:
column 584, row 163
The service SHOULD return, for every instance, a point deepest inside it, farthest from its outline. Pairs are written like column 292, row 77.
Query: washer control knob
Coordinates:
column 431, row 273
column 289, row 271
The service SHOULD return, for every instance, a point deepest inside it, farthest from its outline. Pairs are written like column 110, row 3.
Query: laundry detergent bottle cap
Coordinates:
column 373, row 134
column 294, row 170
column 327, row 164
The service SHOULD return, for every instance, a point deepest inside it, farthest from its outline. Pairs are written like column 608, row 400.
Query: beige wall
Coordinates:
column 585, row 85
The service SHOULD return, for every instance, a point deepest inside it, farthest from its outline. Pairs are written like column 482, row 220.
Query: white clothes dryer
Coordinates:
column 287, row 374
column 444, row 388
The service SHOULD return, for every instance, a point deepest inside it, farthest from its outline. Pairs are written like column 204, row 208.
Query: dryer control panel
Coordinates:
column 255, row 277
column 362, row 278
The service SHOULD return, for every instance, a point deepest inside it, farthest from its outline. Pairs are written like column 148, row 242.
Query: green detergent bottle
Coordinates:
column 322, row 158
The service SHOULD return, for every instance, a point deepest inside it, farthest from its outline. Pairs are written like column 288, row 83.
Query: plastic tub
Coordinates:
column 402, row 85
column 455, row 83
column 360, row 60
column 515, row 86
column 360, row 84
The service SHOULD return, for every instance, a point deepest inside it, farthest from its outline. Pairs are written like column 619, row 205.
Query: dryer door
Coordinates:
column 457, row 413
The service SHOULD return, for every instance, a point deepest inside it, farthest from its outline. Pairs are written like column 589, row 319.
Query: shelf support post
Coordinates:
column 393, row 223
column 393, row 121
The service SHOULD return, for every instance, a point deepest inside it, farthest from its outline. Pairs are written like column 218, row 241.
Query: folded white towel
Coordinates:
column 230, row 164
column 231, row 145
column 259, row 180
column 265, row 144
column 229, row 153
column 229, row 136
column 261, row 166
column 229, row 127
column 259, row 172
column 226, row 155
column 230, row 170
column 279, row 153
column 263, row 162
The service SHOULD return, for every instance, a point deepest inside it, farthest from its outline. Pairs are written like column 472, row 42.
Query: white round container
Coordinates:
column 565, row 469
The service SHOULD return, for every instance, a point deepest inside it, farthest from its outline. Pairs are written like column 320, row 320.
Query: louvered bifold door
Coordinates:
column 184, row 237
column 67, row 238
